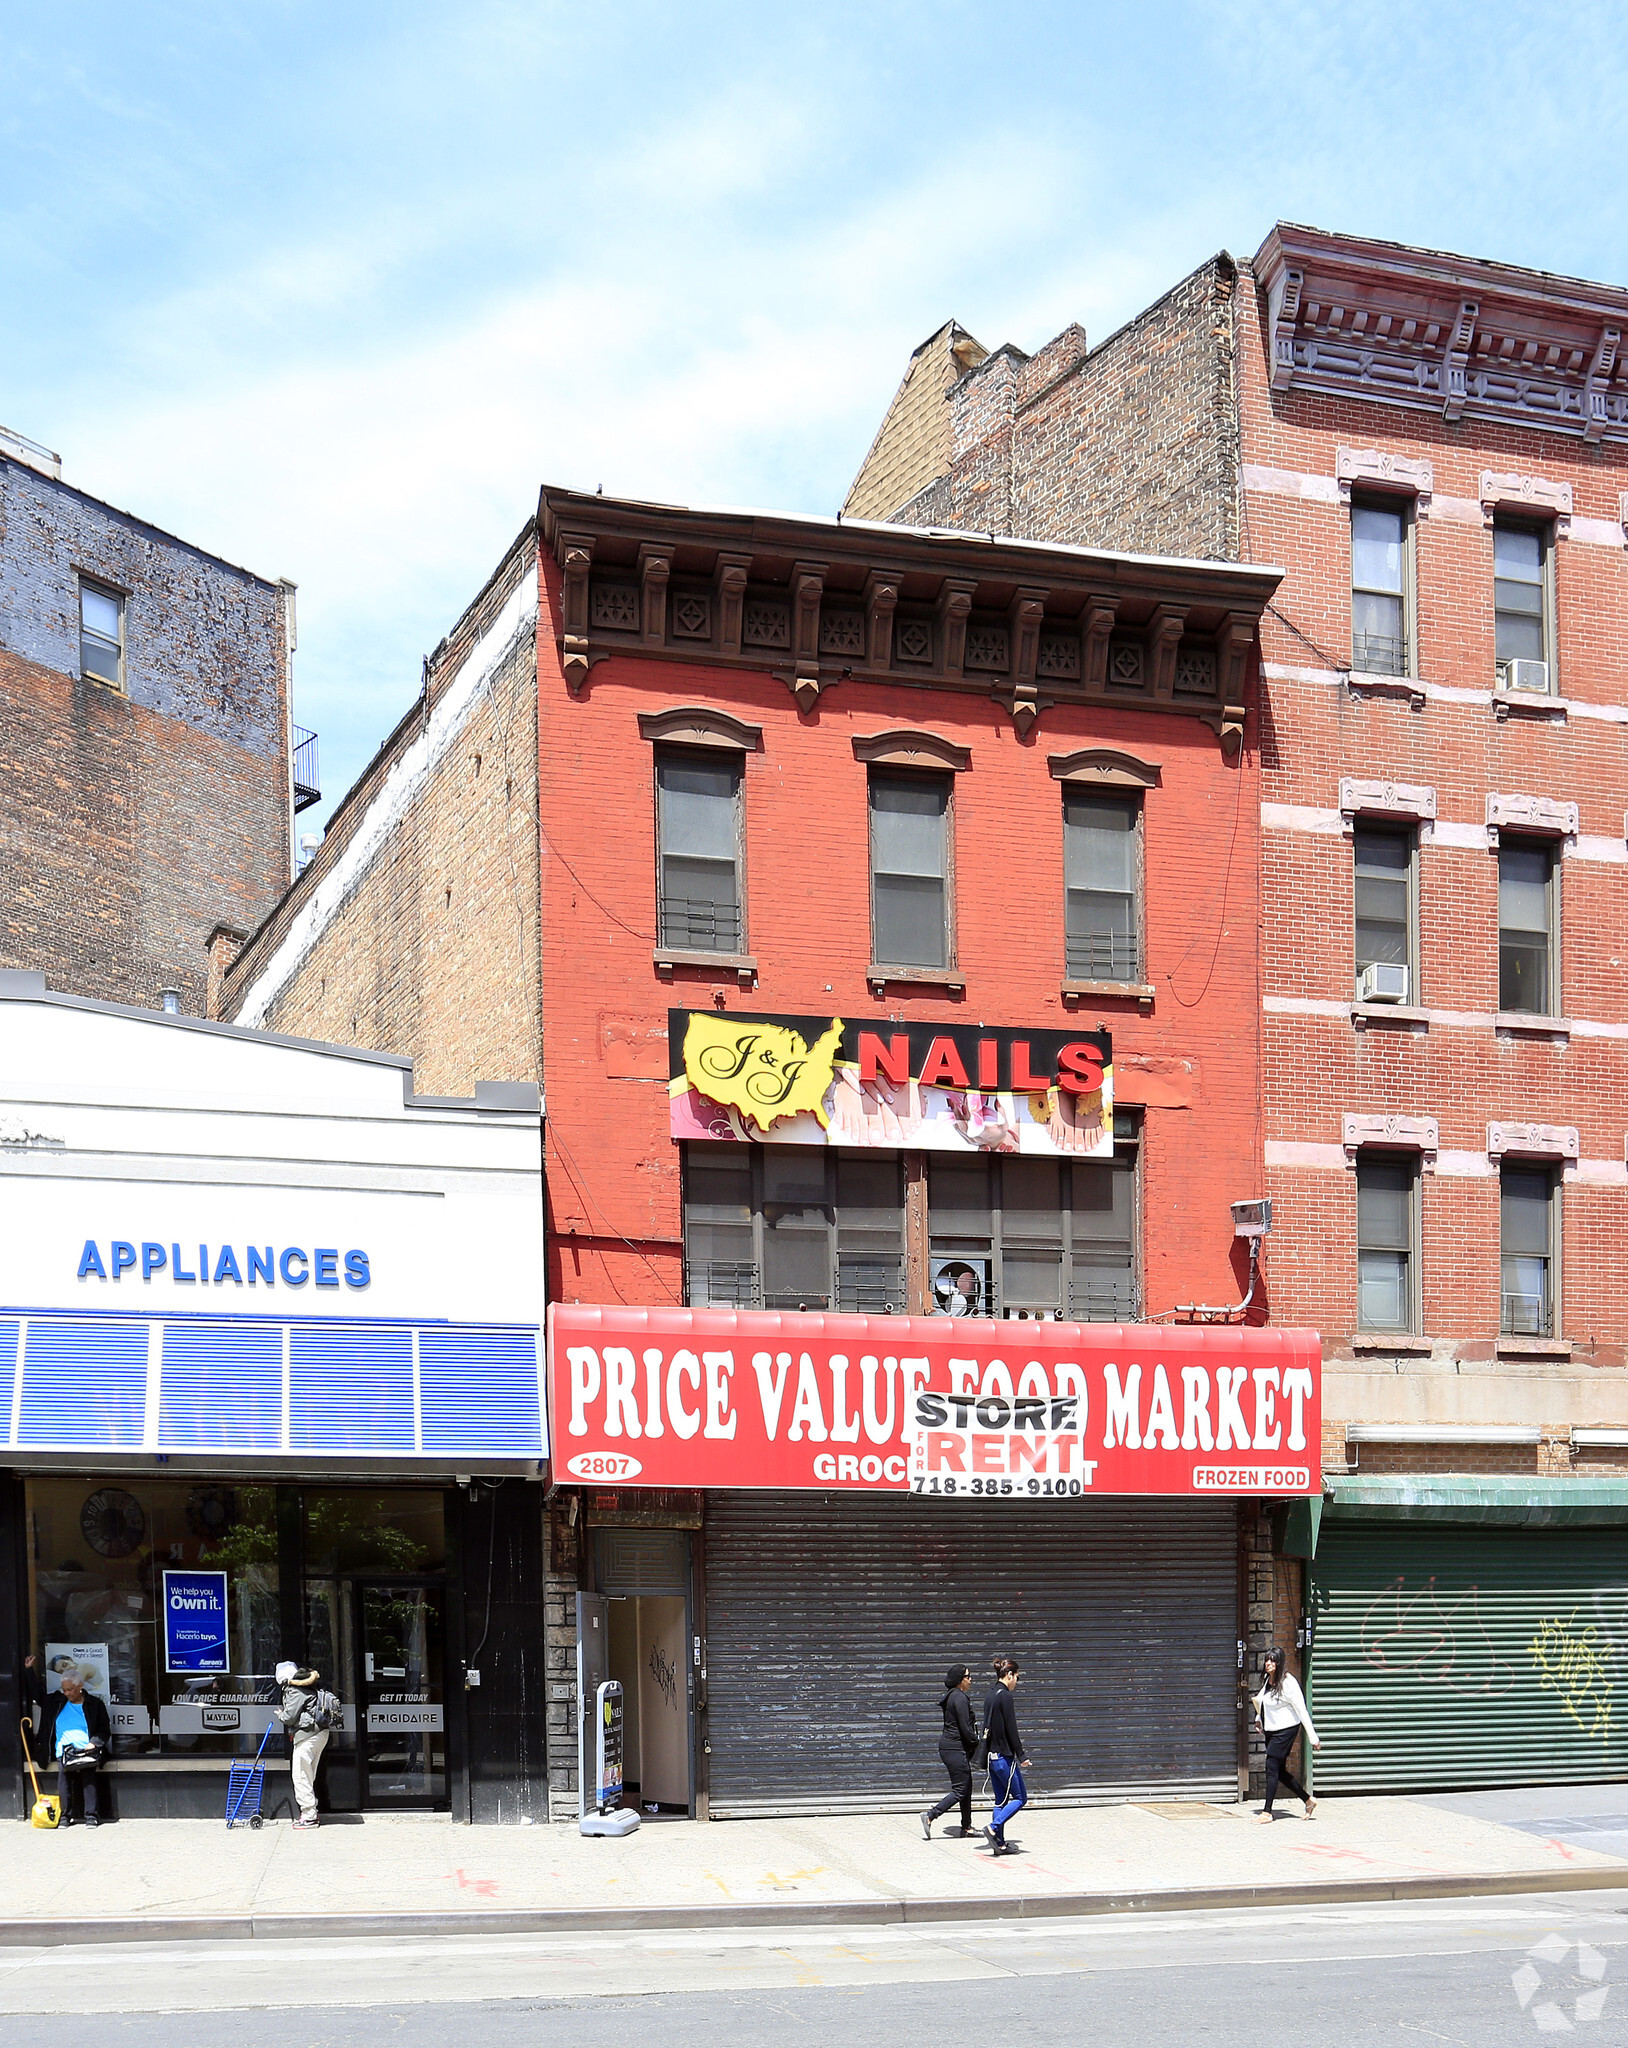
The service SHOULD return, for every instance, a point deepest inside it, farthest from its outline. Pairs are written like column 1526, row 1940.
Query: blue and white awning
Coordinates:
column 245, row 1385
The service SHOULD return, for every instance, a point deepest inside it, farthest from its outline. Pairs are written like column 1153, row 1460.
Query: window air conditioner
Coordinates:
column 1526, row 675
column 1383, row 981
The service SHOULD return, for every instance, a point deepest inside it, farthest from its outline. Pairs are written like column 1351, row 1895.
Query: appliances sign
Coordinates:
column 669, row 1397
column 938, row 1088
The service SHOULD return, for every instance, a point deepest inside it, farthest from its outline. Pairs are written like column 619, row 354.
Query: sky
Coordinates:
column 331, row 291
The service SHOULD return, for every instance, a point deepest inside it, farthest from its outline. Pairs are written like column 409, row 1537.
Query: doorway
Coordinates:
column 401, row 1710
column 644, row 1576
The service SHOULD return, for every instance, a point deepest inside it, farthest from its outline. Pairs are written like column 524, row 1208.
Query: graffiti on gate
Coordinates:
column 1576, row 1664
column 1440, row 1639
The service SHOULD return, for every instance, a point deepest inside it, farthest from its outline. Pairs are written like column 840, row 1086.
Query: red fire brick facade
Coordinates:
column 1184, row 1056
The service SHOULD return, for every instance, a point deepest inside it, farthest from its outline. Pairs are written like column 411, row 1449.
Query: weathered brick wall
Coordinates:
column 423, row 940
column 1132, row 444
column 132, row 823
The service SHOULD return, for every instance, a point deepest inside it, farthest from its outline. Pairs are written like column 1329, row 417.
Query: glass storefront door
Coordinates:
column 401, row 1719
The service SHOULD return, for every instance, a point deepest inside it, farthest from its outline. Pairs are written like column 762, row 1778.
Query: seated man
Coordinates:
column 64, row 1721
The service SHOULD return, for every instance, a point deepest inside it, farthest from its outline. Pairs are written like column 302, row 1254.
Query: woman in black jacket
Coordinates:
column 955, row 1749
column 1007, row 1763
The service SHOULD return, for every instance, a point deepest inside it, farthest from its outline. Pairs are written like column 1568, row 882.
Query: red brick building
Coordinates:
column 150, row 775
column 1436, row 448
column 972, row 815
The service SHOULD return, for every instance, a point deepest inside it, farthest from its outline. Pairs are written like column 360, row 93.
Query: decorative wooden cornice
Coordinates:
column 1464, row 339
column 819, row 603
column 901, row 749
column 1104, row 768
column 699, row 725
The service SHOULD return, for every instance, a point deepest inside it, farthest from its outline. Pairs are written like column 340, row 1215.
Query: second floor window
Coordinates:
column 1527, row 887
column 1102, row 872
column 1384, row 904
column 698, row 824
column 101, row 634
column 1379, row 593
column 910, row 870
column 1387, row 1199
column 778, row 1227
column 1526, row 1229
column 1520, row 606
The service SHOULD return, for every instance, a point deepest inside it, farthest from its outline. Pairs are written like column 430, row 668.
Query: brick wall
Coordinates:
column 1453, row 1064
column 614, row 1195
column 427, row 945
column 133, row 822
column 1132, row 444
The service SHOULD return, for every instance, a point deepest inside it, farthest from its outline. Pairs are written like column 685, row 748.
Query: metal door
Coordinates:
column 400, row 1706
column 1454, row 1656
column 831, row 1620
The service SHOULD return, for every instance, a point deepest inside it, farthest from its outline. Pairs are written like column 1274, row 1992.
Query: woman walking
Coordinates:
column 1007, row 1762
column 1280, row 1708
column 956, row 1745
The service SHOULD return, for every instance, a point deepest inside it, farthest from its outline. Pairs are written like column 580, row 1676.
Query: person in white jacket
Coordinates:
column 1280, row 1707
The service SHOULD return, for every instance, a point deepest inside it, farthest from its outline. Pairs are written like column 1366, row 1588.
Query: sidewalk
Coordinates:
column 156, row 1879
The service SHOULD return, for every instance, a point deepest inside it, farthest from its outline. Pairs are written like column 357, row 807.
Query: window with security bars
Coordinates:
column 1385, row 875
column 1102, row 871
column 1380, row 568
column 784, row 1227
column 698, row 829
column 1060, row 1236
column 1387, row 1227
column 101, row 635
column 1527, row 1231
column 1527, row 887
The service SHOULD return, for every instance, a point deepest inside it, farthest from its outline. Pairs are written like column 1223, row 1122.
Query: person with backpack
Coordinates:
column 309, row 1715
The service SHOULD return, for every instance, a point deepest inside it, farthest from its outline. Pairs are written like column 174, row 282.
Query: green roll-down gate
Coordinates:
column 1460, row 1656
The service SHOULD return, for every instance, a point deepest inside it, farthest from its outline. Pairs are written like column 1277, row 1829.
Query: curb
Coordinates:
column 815, row 1913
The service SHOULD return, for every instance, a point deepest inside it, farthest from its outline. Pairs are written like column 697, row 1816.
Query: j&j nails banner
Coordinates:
column 670, row 1397
column 826, row 1081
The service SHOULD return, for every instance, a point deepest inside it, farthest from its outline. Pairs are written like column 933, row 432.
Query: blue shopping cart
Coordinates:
column 246, row 1785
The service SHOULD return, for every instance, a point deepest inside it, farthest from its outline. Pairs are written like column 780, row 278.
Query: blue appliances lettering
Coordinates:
column 323, row 1265
column 195, row 1632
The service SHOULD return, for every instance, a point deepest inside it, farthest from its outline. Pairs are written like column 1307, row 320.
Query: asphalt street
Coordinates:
column 1475, row 1971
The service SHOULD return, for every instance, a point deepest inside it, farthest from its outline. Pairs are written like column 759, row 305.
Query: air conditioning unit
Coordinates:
column 1383, row 981
column 1526, row 675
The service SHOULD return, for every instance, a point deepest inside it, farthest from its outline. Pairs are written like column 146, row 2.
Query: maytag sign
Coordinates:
column 668, row 1397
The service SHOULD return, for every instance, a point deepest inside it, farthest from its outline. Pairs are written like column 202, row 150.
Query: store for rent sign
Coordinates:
column 715, row 1398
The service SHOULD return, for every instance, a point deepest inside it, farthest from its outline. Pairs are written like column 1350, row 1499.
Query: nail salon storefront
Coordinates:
column 270, row 1386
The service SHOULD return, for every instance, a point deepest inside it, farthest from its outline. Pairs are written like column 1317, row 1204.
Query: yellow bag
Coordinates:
column 47, row 1808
